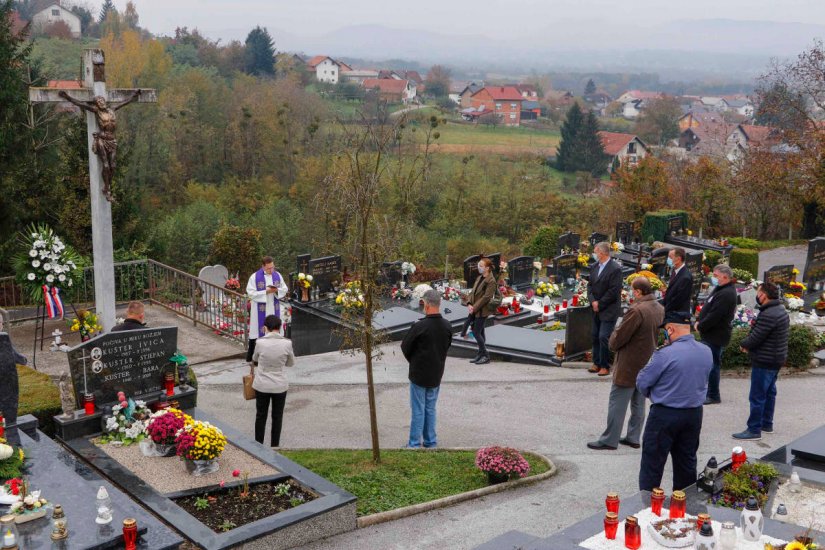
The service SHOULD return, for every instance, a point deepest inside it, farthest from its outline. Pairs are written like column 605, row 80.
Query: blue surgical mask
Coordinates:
column 595, row 256
column 714, row 281
column 481, row 270
column 670, row 262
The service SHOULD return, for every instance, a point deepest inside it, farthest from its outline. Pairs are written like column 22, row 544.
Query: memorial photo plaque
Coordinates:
column 520, row 270
column 325, row 271
column 131, row 361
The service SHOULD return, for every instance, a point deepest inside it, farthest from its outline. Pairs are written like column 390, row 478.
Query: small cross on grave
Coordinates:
column 101, row 123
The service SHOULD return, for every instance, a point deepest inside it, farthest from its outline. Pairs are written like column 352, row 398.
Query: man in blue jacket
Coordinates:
column 767, row 347
column 676, row 381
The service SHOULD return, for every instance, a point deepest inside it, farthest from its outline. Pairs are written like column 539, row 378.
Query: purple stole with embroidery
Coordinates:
column 260, row 284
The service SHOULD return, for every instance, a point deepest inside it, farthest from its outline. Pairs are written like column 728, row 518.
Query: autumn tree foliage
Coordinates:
column 641, row 188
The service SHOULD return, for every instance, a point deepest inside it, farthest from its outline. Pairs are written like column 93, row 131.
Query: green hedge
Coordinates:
column 743, row 258
column 655, row 223
column 802, row 343
column 712, row 258
column 39, row 396
column 745, row 242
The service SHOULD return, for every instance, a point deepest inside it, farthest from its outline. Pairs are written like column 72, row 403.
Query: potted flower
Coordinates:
column 819, row 305
column 200, row 444
column 797, row 289
column 304, row 283
column 86, row 324
column 233, row 284
column 127, row 423
column 501, row 463
column 162, row 429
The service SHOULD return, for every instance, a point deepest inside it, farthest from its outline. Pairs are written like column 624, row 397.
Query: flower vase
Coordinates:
column 165, row 450
column 201, row 467
column 304, row 294
column 494, row 478
column 820, row 312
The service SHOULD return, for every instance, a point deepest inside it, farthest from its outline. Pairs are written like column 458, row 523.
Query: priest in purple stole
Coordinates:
column 266, row 288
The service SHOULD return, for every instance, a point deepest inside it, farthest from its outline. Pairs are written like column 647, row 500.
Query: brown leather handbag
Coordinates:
column 248, row 391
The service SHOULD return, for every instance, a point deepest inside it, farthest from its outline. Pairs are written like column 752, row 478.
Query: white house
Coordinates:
column 742, row 106
column 55, row 13
column 358, row 75
column 633, row 101
column 633, row 108
column 623, row 149
column 327, row 69
column 719, row 104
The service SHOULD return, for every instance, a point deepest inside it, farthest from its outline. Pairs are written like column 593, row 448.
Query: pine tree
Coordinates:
column 590, row 88
column 593, row 158
column 566, row 153
column 108, row 6
column 260, row 53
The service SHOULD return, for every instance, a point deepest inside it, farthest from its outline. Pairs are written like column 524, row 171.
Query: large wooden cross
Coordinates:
column 100, row 106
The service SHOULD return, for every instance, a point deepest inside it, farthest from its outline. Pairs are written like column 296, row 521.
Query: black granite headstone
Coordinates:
column 302, row 263
column 496, row 259
column 674, row 225
column 130, row 361
column 780, row 275
column 693, row 263
column 625, row 232
column 9, row 387
column 391, row 273
column 577, row 338
column 471, row 270
column 325, row 271
column 569, row 241
column 810, row 446
column 597, row 238
column 658, row 262
column 520, row 270
column 815, row 262
column 564, row 267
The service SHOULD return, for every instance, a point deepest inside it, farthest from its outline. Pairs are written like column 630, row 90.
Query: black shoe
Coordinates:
column 599, row 446
column 484, row 360
column 710, row 401
column 475, row 359
column 624, row 441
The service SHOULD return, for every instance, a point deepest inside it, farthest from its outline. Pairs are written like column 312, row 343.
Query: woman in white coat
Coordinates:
column 273, row 353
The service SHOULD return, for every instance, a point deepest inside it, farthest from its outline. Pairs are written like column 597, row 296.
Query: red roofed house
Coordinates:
column 327, row 69
column 623, row 149
column 505, row 101
column 528, row 91
column 391, row 90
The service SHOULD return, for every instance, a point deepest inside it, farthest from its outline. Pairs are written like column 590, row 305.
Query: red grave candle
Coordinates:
column 611, row 502
column 169, row 383
column 564, row 304
column 657, row 497
column 130, row 533
column 611, row 525
column 557, row 307
column 677, row 504
column 89, row 403
column 547, row 308
column 2, row 425
column 737, row 458
column 575, row 300
column 632, row 533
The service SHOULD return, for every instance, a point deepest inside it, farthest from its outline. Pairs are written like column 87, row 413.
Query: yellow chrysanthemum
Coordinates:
column 795, row 545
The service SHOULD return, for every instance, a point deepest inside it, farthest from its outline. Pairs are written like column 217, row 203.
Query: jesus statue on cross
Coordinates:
column 104, row 144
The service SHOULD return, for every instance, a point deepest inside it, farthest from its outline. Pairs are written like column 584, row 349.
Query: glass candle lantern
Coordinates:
column 575, row 300
column 60, row 526
column 727, row 536
column 547, row 308
column 611, row 502
column 9, row 537
column 89, row 403
column 702, row 519
column 632, row 533
column 169, row 383
column 657, row 497
column 558, row 307
column 130, row 533
column 564, row 304
column 611, row 525
column 2, row 425
column 677, row 505
column 737, row 458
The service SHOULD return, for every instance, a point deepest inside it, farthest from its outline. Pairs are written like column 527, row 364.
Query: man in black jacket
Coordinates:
column 714, row 325
column 135, row 317
column 425, row 347
column 767, row 346
column 680, row 286
column 604, row 291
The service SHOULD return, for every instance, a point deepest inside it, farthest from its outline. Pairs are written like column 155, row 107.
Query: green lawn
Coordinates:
column 403, row 478
column 481, row 134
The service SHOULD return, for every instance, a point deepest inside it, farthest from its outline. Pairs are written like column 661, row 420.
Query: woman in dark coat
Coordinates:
column 479, row 305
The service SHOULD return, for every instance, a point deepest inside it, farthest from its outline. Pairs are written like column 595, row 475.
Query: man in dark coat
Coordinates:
column 9, row 383
column 680, row 286
column 135, row 318
column 425, row 347
column 634, row 342
column 714, row 325
column 605, row 294
column 767, row 347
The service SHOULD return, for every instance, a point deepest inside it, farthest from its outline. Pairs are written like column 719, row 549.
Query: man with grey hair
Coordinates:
column 714, row 325
column 425, row 348
column 604, row 290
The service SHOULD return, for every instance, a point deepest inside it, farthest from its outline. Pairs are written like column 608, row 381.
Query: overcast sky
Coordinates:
column 499, row 19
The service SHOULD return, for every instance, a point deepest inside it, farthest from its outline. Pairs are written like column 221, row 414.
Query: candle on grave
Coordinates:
column 130, row 533
column 611, row 502
column 632, row 533
column 89, row 403
column 169, row 383
column 657, row 497
column 677, row 505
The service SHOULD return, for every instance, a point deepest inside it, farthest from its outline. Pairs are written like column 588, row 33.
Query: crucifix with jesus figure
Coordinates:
column 101, row 123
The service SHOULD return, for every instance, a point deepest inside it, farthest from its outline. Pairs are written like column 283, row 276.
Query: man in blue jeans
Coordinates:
column 425, row 347
column 767, row 347
column 604, row 290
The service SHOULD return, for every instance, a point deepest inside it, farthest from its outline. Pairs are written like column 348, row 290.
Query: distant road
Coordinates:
column 407, row 110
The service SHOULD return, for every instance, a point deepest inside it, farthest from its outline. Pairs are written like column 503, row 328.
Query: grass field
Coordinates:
column 403, row 478
column 461, row 138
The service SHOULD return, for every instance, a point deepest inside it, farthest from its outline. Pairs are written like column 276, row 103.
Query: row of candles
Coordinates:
column 10, row 536
column 168, row 386
column 632, row 531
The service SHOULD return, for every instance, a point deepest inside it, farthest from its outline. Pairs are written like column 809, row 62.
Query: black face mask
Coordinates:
column 760, row 301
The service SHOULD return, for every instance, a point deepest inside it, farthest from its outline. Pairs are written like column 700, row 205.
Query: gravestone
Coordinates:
column 10, row 387
column 496, row 259
column 520, row 270
column 214, row 274
column 131, row 361
column 674, row 225
column 597, row 238
column 693, row 263
column 564, row 267
column 325, row 271
column 569, row 240
column 302, row 263
column 658, row 262
column 391, row 273
column 625, row 232
column 814, row 273
column 748, row 298
column 471, row 270
column 780, row 275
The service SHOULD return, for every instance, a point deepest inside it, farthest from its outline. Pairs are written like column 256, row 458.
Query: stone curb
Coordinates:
column 406, row 511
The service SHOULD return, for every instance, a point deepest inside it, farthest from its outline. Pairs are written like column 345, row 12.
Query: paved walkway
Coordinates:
column 795, row 255
column 554, row 411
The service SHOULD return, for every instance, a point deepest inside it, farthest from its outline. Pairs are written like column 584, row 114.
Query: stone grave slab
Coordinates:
column 325, row 271
column 302, row 263
column 470, row 266
column 496, row 259
column 214, row 274
column 658, row 262
column 814, row 273
column 569, row 240
column 131, row 361
column 693, row 263
column 625, row 232
column 391, row 273
column 396, row 317
column 748, row 298
column 564, row 268
column 780, row 275
column 810, row 446
column 520, row 270
column 674, row 225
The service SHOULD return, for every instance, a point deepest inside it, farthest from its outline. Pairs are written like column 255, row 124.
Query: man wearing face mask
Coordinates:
column 714, row 325
column 767, row 347
column 676, row 381
column 605, row 294
column 479, row 305
column 680, row 285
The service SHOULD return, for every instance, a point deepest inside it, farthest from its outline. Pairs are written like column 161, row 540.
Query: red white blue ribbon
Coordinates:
column 58, row 302
column 54, row 305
